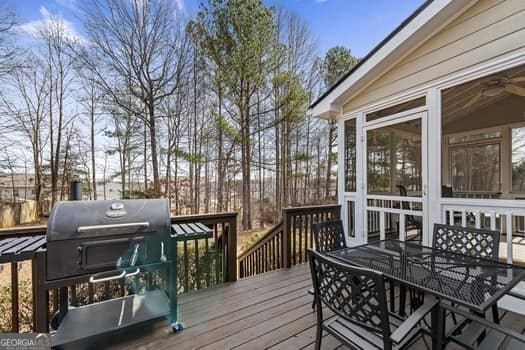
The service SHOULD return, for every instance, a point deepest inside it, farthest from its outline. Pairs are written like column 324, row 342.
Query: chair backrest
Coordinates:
column 410, row 219
column 355, row 294
column 446, row 191
column 329, row 236
column 475, row 242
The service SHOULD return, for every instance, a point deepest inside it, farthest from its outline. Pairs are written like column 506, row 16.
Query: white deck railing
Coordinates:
column 379, row 206
column 506, row 216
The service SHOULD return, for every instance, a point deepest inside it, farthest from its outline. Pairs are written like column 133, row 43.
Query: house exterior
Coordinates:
column 436, row 109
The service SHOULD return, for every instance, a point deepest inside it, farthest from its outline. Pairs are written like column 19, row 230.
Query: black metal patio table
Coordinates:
column 465, row 280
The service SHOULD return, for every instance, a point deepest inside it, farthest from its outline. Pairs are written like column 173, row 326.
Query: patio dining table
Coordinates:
column 465, row 280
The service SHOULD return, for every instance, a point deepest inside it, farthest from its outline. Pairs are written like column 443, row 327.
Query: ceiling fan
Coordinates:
column 496, row 86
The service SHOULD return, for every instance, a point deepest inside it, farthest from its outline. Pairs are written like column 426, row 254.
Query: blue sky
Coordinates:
column 356, row 24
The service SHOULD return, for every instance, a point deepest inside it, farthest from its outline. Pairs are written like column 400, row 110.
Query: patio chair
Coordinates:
column 411, row 220
column 475, row 242
column 494, row 335
column 357, row 297
column 328, row 236
column 479, row 243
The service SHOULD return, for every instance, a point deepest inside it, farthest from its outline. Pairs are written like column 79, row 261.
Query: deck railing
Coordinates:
column 505, row 216
column 285, row 244
column 202, row 263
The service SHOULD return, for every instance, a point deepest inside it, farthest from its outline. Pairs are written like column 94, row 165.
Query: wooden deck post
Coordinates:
column 287, row 240
column 14, row 297
column 231, row 259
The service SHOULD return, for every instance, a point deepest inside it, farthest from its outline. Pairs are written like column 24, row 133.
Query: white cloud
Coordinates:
column 70, row 4
column 50, row 20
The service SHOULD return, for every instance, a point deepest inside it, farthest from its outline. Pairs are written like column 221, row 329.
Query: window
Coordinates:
column 518, row 160
column 350, row 155
column 474, row 137
column 394, row 158
column 476, row 168
column 402, row 107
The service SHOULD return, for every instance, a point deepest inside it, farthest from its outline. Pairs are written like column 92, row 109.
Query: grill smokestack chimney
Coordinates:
column 75, row 190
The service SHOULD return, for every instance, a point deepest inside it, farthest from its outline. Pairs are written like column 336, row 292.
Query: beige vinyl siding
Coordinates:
column 489, row 29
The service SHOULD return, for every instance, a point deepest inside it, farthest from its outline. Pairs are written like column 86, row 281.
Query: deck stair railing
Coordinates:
column 285, row 244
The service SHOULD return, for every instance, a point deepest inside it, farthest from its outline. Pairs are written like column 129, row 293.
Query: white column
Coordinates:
column 434, row 164
column 360, row 203
column 341, row 172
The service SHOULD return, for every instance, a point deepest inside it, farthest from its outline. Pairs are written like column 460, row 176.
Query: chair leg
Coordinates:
column 318, row 337
column 392, row 297
column 402, row 300
column 495, row 313
column 313, row 304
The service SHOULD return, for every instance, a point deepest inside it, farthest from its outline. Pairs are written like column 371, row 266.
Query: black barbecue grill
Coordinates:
column 88, row 237
column 100, row 241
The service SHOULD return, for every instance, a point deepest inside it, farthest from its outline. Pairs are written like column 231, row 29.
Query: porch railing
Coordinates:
column 202, row 263
column 506, row 216
column 285, row 244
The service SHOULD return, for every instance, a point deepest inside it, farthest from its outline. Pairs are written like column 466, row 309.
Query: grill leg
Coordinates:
column 172, row 282
column 40, row 294
column 63, row 308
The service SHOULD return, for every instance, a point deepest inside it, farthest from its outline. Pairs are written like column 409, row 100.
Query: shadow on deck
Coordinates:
column 272, row 310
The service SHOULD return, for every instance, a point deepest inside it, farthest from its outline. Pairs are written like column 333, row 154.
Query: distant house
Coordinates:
column 432, row 125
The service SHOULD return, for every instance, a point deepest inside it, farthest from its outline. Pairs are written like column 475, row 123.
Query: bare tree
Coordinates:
column 28, row 111
column 91, row 100
column 57, row 41
column 141, row 46
column 7, row 49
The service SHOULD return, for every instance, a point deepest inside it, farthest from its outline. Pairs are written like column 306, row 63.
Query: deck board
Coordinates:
column 269, row 311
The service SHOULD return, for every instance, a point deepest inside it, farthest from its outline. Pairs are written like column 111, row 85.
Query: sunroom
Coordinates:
column 432, row 127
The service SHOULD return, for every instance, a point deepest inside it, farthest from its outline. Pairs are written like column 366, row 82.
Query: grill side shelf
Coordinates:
column 20, row 248
column 186, row 232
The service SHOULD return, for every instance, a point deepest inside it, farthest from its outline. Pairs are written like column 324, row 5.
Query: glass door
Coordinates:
column 395, row 172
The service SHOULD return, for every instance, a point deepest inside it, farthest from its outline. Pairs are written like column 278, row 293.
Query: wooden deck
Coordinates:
column 269, row 311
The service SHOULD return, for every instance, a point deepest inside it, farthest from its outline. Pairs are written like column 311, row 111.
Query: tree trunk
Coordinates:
column 331, row 140
column 93, row 165
column 221, row 173
column 245, row 165
column 145, row 158
column 154, row 155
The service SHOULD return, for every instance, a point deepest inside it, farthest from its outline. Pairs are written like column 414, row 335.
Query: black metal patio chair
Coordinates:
column 357, row 296
column 494, row 335
column 479, row 243
column 328, row 236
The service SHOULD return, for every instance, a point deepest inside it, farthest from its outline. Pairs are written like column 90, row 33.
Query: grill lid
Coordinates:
column 83, row 219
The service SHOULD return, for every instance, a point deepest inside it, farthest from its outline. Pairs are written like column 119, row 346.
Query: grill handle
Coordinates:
column 83, row 229
column 93, row 279
column 123, row 274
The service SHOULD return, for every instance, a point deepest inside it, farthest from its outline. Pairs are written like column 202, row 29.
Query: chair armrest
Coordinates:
column 482, row 321
column 408, row 324
column 518, row 291
column 516, row 295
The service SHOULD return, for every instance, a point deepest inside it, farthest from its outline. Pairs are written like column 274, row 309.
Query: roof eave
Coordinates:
column 396, row 46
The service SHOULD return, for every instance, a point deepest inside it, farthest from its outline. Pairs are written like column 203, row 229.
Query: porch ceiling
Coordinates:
column 455, row 100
